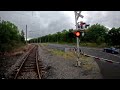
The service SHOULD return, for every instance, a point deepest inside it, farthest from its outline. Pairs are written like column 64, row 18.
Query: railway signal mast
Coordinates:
column 77, row 15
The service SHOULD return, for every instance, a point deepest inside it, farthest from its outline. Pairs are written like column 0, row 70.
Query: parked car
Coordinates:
column 111, row 50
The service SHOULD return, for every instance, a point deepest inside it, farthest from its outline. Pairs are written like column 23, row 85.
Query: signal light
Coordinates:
column 83, row 25
column 77, row 33
column 74, row 34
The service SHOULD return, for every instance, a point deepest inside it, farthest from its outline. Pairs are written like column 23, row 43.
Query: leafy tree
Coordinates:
column 9, row 36
column 113, row 37
column 96, row 33
column 22, row 36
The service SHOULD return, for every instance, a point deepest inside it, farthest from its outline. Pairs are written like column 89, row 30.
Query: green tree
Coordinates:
column 22, row 36
column 9, row 36
column 96, row 33
column 113, row 37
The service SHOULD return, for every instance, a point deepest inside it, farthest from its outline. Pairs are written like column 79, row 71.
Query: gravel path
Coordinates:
column 5, row 64
column 61, row 68
column 28, row 75
column 14, row 67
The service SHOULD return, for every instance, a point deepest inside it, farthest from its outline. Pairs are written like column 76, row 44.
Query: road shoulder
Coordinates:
column 63, row 67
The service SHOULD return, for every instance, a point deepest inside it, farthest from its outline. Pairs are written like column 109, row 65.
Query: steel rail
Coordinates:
column 38, row 71
column 24, row 59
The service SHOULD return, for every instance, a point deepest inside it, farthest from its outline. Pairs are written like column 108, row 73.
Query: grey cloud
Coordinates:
column 41, row 23
column 46, row 22
column 107, row 18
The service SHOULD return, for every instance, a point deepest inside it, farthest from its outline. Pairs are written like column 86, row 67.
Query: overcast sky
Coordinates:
column 41, row 23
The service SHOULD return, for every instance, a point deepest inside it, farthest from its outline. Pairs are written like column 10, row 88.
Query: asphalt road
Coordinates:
column 108, row 70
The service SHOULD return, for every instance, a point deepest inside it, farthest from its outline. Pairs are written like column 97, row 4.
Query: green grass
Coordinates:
column 103, row 45
column 93, row 45
column 44, row 44
column 66, row 55
column 59, row 42
column 64, row 43
column 85, row 44
column 87, row 62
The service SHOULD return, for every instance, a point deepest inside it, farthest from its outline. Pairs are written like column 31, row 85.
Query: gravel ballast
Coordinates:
column 9, row 64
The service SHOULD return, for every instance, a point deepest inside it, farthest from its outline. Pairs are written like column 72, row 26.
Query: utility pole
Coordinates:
column 57, row 38
column 77, row 15
column 26, row 34
column 48, row 39
column 37, row 40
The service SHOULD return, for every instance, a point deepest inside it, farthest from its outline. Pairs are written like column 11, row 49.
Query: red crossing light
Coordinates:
column 77, row 34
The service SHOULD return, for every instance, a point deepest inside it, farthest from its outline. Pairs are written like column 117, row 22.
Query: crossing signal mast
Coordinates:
column 80, row 28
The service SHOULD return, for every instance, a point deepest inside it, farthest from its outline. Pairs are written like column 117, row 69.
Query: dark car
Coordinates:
column 111, row 50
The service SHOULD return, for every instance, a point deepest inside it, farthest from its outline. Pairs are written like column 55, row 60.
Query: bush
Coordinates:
column 9, row 36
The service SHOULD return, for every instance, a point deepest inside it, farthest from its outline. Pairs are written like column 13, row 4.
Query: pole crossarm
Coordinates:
column 78, row 14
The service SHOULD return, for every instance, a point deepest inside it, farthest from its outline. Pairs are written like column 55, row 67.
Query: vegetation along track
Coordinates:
column 31, row 67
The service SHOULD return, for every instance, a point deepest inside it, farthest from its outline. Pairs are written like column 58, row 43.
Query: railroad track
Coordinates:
column 30, row 67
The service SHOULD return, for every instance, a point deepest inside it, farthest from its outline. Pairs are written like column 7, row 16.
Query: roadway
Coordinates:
column 108, row 70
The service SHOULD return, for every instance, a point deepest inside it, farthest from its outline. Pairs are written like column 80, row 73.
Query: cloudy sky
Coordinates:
column 41, row 23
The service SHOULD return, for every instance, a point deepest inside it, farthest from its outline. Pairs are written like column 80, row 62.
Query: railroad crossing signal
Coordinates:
column 77, row 15
column 82, row 25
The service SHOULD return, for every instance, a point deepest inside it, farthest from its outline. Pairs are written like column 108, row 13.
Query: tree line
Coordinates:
column 10, row 37
column 96, row 33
